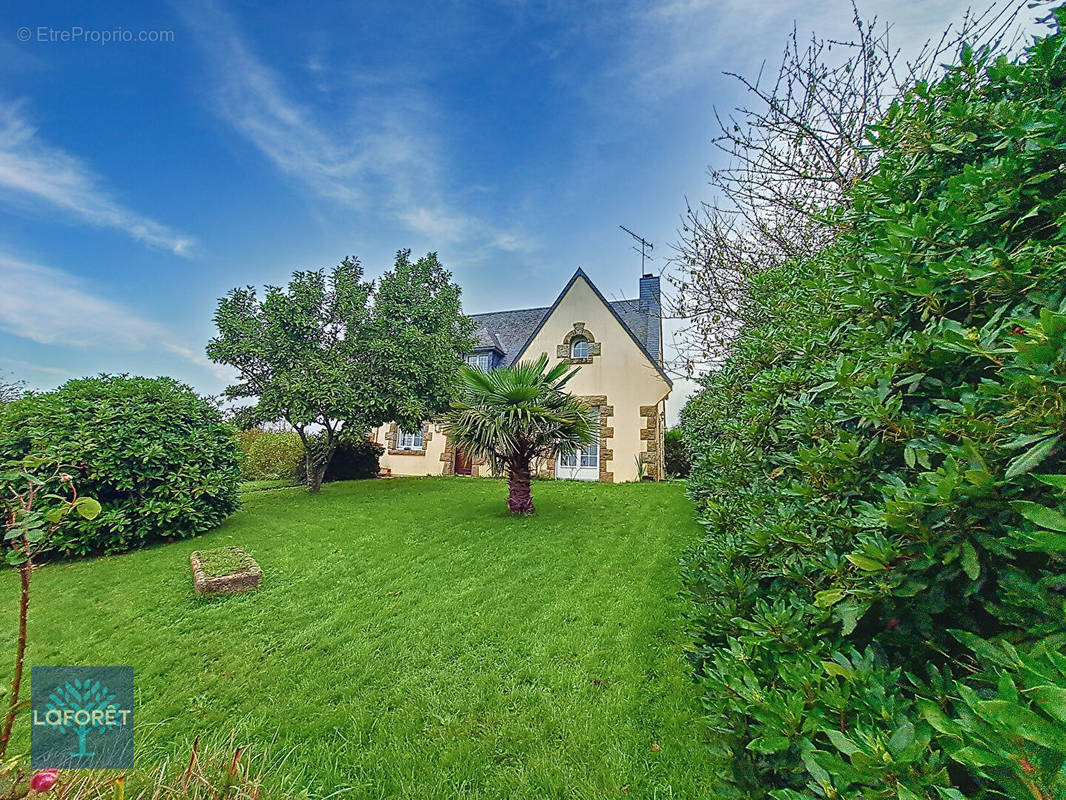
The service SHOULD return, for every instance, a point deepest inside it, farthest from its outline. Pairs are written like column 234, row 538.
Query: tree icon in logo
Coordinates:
column 83, row 707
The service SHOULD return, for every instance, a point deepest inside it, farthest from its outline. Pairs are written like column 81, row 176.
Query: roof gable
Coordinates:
column 620, row 310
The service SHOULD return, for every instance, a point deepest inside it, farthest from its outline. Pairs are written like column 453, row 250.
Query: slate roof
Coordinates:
column 507, row 332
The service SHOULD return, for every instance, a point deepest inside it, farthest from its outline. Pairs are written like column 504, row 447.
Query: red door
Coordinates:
column 462, row 463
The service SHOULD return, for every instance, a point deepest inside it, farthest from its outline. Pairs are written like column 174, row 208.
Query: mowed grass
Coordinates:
column 410, row 640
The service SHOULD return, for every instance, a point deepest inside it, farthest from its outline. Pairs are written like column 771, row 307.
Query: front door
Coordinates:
column 584, row 465
column 462, row 463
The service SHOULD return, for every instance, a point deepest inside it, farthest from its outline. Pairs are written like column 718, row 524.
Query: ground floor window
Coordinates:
column 409, row 440
column 590, row 455
column 581, row 465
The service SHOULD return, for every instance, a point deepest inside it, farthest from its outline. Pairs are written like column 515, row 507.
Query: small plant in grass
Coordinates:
column 212, row 773
column 36, row 498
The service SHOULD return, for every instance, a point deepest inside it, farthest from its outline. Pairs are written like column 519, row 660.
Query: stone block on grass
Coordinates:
column 224, row 570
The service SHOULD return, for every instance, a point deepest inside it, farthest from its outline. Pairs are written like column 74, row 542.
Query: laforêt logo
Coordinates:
column 82, row 717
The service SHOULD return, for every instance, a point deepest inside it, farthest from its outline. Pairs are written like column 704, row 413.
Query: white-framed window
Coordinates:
column 481, row 361
column 584, row 465
column 409, row 440
column 579, row 347
column 590, row 455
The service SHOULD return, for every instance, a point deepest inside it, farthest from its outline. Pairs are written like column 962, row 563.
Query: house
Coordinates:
column 619, row 347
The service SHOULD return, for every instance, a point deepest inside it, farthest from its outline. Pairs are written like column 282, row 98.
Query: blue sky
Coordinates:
column 139, row 181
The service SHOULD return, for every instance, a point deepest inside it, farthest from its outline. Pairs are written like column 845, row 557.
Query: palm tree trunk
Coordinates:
column 520, row 498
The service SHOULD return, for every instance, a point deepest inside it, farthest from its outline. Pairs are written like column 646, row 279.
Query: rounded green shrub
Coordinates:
column 158, row 457
column 355, row 461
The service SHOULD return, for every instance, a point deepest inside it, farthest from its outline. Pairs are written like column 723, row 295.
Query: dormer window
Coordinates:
column 481, row 361
column 579, row 347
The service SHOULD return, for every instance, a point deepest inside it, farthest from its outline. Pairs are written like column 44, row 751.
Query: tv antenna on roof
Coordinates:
column 645, row 247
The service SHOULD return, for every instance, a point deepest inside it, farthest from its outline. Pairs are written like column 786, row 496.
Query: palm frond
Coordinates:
column 519, row 412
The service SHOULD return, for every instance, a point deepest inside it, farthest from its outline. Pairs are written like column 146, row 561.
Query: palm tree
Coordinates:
column 513, row 415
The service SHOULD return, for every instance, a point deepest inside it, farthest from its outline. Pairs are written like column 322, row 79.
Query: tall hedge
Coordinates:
column 880, row 596
column 271, row 455
column 158, row 457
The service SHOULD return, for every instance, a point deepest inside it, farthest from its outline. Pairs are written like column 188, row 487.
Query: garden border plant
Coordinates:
column 37, row 498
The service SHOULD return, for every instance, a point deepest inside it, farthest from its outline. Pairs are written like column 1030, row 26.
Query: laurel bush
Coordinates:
column 158, row 457
column 355, row 460
column 880, row 596
column 674, row 456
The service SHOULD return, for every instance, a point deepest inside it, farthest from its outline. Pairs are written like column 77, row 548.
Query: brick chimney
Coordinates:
column 650, row 303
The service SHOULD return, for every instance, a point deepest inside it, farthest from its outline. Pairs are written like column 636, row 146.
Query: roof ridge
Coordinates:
column 509, row 311
column 544, row 308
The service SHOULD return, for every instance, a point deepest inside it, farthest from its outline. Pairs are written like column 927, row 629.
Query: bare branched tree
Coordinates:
column 791, row 158
column 11, row 389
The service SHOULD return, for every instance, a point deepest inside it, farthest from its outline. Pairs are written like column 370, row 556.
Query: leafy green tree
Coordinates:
column 513, row 415
column 337, row 355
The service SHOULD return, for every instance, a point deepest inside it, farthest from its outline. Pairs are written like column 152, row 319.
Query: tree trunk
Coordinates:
column 520, row 498
column 20, row 655
column 317, row 464
column 316, row 473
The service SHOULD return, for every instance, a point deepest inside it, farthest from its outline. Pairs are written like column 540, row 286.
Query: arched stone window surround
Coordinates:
column 579, row 331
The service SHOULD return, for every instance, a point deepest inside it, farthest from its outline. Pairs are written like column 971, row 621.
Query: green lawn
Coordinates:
column 410, row 640
column 256, row 486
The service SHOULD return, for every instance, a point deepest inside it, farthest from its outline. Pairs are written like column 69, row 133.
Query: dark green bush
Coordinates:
column 674, row 454
column 355, row 461
column 271, row 455
column 879, row 467
column 158, row 457
column 280, row 455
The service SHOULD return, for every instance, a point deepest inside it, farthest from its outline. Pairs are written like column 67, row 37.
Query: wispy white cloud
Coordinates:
column 386, row 156
column 671, row 45
column 444, row 225
column 32, row 170
column 42, row 369
column 52, row 307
